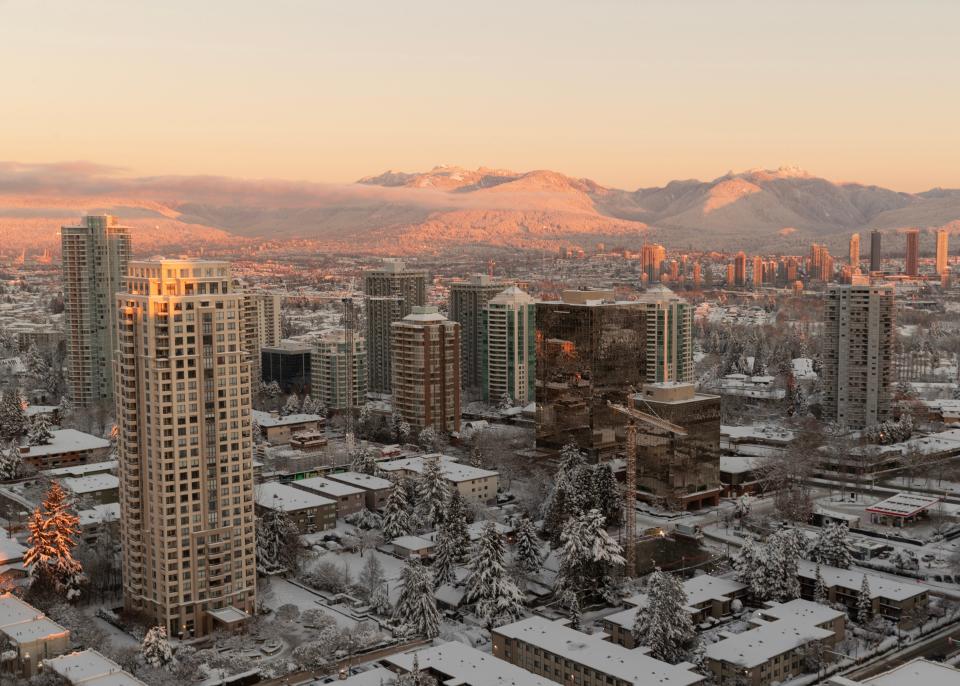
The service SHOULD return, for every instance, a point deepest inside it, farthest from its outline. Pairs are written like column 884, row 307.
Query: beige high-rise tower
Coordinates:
column 942, row 250
column 855, row 250
column 95, row 256
column 184, row 446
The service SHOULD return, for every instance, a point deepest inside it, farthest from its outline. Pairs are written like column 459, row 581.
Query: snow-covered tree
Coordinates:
column 832, row 548
column 292, row 406
column 529, row 557
column 365, row 462
column 427, row 439
column 664, row 625
column 40, row 432
column 446, row 554
column 505, row 402
column 783, row 548
column 155, row 648
column 605, row 494
column 13, row 416
column 380, row 600
column 455, row 521
column 589, row 557
column 750, row 565
column 476, row 455
column 371, row 577
column 416, row 609
column 11, row 463
column 64, row 409
column 272, row 390
column 365, row 419
column 396, row 517
column 308, row 406
column 416, row 676
column 365, row 520
column 489, row 588
column 278, row 543
column 864, row 602
column 257, row 431
column 556, row 513
column 820, row 594
column 431, row 492
column 53, row 537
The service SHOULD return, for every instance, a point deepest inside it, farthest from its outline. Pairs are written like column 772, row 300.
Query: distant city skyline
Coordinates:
column 628, row 94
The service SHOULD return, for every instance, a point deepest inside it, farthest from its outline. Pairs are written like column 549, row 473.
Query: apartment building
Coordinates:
column 474, row 484
column 67, row 447
column 425, row 352
column 912, row 258
column 392, row 292
column 90, row 668
column 261, row 325
column 184, row 446
column 777, row 647
column 858, row 339
column 338, row 368
column 95, row 255
column 554, row 651
column 277, row 429
column 33, row 637
column 309, row 511
column 508, row 347
column 349, row 499
column 376, row 490
column 453, row 662
column 467, row 301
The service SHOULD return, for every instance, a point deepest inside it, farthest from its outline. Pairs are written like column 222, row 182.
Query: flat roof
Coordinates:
column 265, row 419
column 880, row 586
column 465, row 665
column 91, row 483
column 915, row 672
column 67, row 441
column 600, row 655
column 452, row 470
column 82, row 469
column 274, row 495
column 323, row 486
column 904, row 505
column 699, row 589
column 756, row 646
column 90, row 668
column 99, row 514
column 360, row 480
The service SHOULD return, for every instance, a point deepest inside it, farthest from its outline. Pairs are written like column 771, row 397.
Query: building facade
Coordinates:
column 338, row 367
column 289, row 364
column 508, row 350
column 858, row 353
column 855, row 251
column 184, row 446
column 467, row 302
column 95, row 257
column 392, row 292
column 911, row 265
column 425, row 351
column 943, row 254
column 261, row 325
column 876, row 246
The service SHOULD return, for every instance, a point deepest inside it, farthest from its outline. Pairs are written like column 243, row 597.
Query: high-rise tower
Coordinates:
column 875, row 246
column 855, row 251
column 95, row 256
column 912, row 261
column 184, row 446
column 467, row 300
column 943, row 254
column 508, row 347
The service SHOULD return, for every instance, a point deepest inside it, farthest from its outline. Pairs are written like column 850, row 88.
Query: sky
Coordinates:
column 629, row 93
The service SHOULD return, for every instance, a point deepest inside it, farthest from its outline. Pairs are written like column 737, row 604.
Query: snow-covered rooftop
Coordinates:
column 413, row 542
column 595, row 652
column 756, row 646
column 915, row 672
column 265, row 419
column 99, row 514
column 90, row 668
column 276, row 496
column 699, row 590
column 467, row 666
column 880, row 587
column 452, row 470
column 322, row 486
column 91, row 483
column 738, row 464
column 364, row 481
column 10, row 549
column 799, row 609
column 67, row 441
column 82, row 469
column 23, row 623
column 904, row 505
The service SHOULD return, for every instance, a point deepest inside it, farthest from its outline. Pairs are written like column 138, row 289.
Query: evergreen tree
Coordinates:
column 308, row 406
column 155, row 648
column 455, row 521
column 446, row 554
column 832, row 548
column 750, row 568
column 571, row 461
column 11, row 463
column 416, row 610
column 40, row 432
column 864, row 603
column 779, row 564
column 365, row 462
column 13, row 416
column 505, row 402
column 278, row 544
column 292, row 406
column 380, row 600
column 664, row 625
column 396, row 518
column 495, row 596
column 528, row 556
column 53, row 537
column 556, row 513
column 476, row 455
column 431, row 492
column 257, row 432
column 371, row 577
column 64, row 409
column 605, row 494
column 820, row 594
column 428, row 439
column 589, row 557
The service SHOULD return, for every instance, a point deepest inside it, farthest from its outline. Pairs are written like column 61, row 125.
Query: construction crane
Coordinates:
column 634, row 416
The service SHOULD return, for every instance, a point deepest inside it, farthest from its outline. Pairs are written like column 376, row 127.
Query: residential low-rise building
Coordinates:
column 349, row 499
column 900, row 601
column 553, row 650
column 474, row 484
column 777, row 647
column 90, row 668
column 98, row 489
column 707, row 596
column 66, row 447
column 32, row 635
column 309, row 511
column 376, row 489
column 457, row 663
column 918, row 671
column 278, row 430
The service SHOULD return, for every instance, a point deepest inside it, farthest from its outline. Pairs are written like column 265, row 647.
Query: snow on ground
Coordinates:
column 283, row 592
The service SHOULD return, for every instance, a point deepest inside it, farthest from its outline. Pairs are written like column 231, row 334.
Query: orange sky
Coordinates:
column 627, row 92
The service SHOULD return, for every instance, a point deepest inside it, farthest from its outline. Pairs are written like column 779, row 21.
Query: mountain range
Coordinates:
column 449, row 208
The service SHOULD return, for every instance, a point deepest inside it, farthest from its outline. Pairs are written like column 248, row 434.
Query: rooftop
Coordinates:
column 90, row 668
column 266, row 419
column 452, row 470
column 82, row 469
column 880, row 586
column 595, row 652
column 904, row 505
column 918, row 671
column 23, row 623
column 276, row 496
column 319, row 484
column 91, row 483
column 67, row 441
column 467, row 666
column 365, row 481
